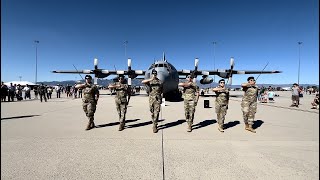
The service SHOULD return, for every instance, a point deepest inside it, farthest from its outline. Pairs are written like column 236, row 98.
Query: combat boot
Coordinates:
column 88, row 126
column 155, row 128
column 92, row 125
column 220, row 128
column 249, row 128
column 189, row 129
column 121, row 126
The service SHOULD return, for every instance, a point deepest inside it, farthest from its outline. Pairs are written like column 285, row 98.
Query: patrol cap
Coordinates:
column 191, row 75
column 295, row 84
column 120, row 76
column 154, row 71
column 88, row 77
column 249, row 78
column 221, row 80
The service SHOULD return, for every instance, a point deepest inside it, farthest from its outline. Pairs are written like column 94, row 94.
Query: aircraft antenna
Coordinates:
column 77, row 71
column 262, row 70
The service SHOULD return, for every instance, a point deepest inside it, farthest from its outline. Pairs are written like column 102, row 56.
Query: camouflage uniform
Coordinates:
column 155, row 99
column 249, row 104
column 221, row 108
column 89, row 103
column 121, row 100
column 42, row 92
column 190, row 101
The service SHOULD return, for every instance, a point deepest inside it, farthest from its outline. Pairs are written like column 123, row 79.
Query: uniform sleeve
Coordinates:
column 196, row 88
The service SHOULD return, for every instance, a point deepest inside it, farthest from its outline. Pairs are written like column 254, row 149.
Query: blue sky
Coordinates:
column 77, row 31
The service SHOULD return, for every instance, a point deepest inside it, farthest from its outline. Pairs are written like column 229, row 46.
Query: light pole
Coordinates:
column 299, row 43
column 36, row 42
column 214, row 60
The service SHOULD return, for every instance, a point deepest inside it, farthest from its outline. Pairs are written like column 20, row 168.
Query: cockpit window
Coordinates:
column 151, row 67
column 160, row 65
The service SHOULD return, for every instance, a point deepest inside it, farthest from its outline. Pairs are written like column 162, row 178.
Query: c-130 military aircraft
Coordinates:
column 167, row 73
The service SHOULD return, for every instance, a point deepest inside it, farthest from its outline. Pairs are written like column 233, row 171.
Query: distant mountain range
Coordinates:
column 137, row 82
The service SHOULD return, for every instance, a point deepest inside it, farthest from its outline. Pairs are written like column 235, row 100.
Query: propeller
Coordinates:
column 129, row 71
column 95, row 63
column 196, row 63
column 229, row 82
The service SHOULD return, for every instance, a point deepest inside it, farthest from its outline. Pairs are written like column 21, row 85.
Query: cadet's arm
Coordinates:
column 129, row 93
column 185, row 84
column 218, row 89
column 80, row 86
column 113, row 86
column 97, row 95
column 146, row 81
column 245, row 84
column 197, row 96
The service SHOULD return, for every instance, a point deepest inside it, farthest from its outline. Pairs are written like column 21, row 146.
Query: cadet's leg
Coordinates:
column 123, row 108
column 156, row 116
column 151, row 107
column 85, row 109
column 91, row 110
column 122, row 114
column 222, row 110
column 245, row 113
column 251, row 115
column 186, row 110
column 118, row 109
column 192, row 110
column 189, row 115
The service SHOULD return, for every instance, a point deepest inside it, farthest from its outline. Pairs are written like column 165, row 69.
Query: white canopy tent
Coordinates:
column 22, row 83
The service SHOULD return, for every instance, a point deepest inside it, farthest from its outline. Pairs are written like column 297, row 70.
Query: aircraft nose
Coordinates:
column 162, row 76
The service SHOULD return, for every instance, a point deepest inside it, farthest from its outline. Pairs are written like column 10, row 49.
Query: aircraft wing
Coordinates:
column 224, row 73
column 74, row 71
column 102, row 73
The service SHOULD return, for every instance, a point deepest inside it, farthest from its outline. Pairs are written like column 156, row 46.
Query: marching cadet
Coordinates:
column 42, row 90
column 222, row 101
column 122, row 92
column 191, row 97
column 89, row 100
column 155, row 97
column 249, row 103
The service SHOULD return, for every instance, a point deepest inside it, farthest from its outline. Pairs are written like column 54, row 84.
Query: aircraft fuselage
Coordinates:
column 167, row 73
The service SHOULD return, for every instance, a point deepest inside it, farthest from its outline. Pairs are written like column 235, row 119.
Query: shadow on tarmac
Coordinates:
column 18, row 117
column 257, row 124
column 231, row 124
column 141, row 124
column 171, row 124
column 203, row 124
column 115, row 123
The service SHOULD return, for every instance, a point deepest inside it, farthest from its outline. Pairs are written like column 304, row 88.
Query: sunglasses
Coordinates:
column 222, row 82
column 252, row 80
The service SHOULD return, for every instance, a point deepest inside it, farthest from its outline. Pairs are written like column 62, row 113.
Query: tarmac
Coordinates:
column 47, row 140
